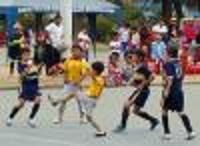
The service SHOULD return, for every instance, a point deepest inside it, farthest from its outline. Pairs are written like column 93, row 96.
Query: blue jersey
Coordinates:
column 173, row 69
column 30, row 83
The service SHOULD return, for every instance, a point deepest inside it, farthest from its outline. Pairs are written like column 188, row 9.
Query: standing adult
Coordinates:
column 56, row 34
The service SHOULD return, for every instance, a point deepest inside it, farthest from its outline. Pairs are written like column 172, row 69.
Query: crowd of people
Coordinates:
column 133, row 50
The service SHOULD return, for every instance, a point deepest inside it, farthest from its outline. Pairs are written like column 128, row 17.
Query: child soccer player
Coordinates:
column 141, row 80
column 75, row 69
column 173, row 96
column 93, row 93
column 29, row 92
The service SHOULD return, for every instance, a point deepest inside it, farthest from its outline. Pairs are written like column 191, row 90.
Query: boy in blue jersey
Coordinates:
column 173, row 95
column 29, row 92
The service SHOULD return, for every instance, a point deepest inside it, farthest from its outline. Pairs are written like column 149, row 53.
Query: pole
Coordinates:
column 66, row 13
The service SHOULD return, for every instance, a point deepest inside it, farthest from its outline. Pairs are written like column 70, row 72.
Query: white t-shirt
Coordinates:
column 124, row 34
column 115, row 45
column 160, row 29
column 56, row 34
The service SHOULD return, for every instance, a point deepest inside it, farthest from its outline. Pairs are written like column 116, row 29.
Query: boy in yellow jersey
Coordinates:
column 75, row 70
column 93, row 93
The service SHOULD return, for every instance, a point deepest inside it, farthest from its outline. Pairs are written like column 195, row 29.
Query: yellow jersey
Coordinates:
column 96, row 86
column 74, row 69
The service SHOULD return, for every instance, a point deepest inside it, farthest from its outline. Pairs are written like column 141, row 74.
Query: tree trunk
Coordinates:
column 166, row 9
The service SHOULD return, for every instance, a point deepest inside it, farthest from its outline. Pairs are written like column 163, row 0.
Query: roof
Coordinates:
column 78, row 6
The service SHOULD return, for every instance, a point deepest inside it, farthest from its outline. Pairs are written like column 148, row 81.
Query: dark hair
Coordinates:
column 98, row 66
column 77, row 46
column 58, row 16
column 172, row 52
column 129, row 52
column 139, row 53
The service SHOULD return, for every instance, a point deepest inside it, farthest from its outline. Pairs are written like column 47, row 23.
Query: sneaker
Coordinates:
column 167, row 137
column 191, row 136
column 154, row 125
column 57, row 121
column 32, row 123
column 119, row 129
column 101, row 134
column 53, row 103
column 9, row 122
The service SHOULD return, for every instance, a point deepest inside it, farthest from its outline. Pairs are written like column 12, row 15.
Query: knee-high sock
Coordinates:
column 14, row 111
column 165, row 122
column 145, row 116
column 125, row 115
column 186, row 122
column 34, row 111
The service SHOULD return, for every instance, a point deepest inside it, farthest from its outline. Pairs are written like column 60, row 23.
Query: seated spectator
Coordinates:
column 114, row 74
column 128, row 67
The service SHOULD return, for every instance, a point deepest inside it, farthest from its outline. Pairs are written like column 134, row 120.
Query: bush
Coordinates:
column 105, row 26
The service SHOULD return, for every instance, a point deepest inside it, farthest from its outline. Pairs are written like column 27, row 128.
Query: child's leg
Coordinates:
column 35, row 108
column 186, row 122
column 12, row 67
column 137, row 111
column 93, row 123
column 17, row 108
column 165, row 121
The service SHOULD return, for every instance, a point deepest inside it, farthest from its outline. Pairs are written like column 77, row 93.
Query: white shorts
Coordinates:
column 89, row 104
column 72, row 89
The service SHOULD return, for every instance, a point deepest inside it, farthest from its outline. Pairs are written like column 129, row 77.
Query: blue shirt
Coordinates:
column 158, row 50
column 173, row 69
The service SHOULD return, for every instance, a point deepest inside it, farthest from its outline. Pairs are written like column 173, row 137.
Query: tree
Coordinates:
column 167, row 8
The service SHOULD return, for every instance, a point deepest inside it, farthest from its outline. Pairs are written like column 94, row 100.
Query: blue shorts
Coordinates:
column 29, row 95
column 175, row 101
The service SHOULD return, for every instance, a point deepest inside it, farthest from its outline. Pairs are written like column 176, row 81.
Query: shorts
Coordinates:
column 175, row 101
column 141, row 98
column 72, row 89
column 29, row 95
column 89, row 104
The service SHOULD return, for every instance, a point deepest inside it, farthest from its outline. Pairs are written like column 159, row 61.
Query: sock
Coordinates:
column 14, row 112
column 125, row 115
column 186, row 122
column 12, row 66
column 146, row 116
column 165, row 123
column 35, row 109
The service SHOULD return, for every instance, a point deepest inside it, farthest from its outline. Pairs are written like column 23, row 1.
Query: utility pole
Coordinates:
column 66, row 13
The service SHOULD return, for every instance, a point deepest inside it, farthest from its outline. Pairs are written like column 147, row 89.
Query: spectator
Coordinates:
column 115, row 43
column 124, row 33
column 114, row 76
column 158, row 49
column 85, row 42
column 160, row 28
column 56, row 34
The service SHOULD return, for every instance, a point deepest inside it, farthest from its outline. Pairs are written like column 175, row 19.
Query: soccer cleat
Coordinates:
column 53, row 103
column 32, row 123
column 101, row 134
column 191, row 136
column 119, row 129
column 9, row 122
column 154, row 124
column 167, row 137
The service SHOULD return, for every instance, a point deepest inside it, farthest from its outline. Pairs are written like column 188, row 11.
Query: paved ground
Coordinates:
column 71, row 133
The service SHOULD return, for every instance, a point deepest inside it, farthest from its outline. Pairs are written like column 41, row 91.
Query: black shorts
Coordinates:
column 141, row 98
column 175, row 101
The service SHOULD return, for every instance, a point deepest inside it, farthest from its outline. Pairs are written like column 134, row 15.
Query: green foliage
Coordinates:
column 105, row 27
column 132, row 15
